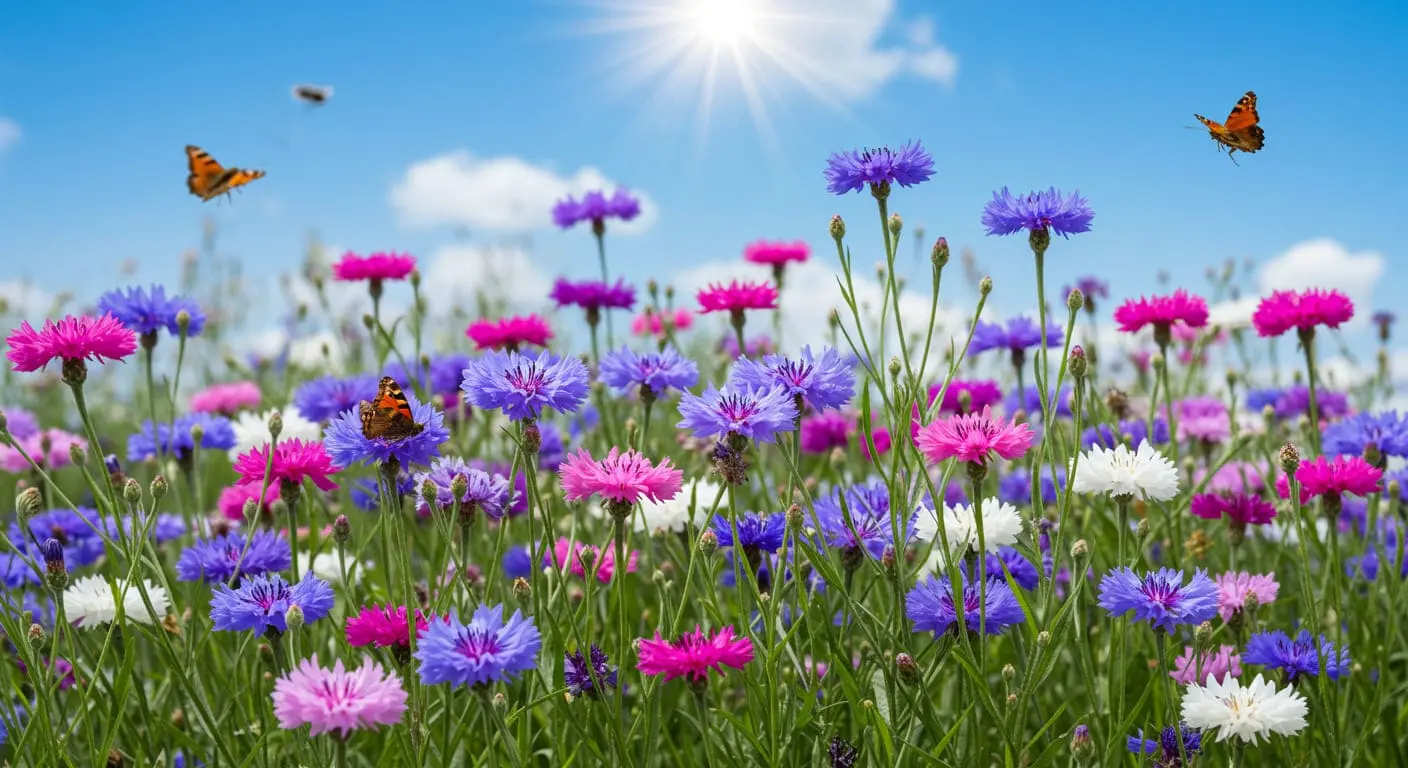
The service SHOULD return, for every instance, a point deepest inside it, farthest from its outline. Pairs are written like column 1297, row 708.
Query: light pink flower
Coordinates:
column 509, row 332
column 973, row 437
column 378, row 266
column 623, row 478
column 1233, row 588
column 1233, row 477
column 1284, row 310
column 1204, row 418
column 232, row 499
column 694, row 654
column 1211, row 665
column 72, row 338
column 776, row 254
column 228, row 399
column 1342, row 474
column 48, row 448
column 338, row 699
column 567, row 554
column 652, row 323
column 1162, row 312
column 737, row 296
column 294, row 461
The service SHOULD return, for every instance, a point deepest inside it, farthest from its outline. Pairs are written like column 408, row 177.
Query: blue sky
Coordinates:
column 1094, row 97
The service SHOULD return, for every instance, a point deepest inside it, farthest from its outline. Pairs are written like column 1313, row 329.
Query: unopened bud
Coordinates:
column 341, row 529
column 1142, row 529
column 1078, row 363
column 708, row 543
column 158, row 488
column 906, row 667
column 795, row 519
column 197, row 433
column 38, row 637
column 1075, row 300
column 838, row 227
column 895, row 224
column 1202, row 636
column 985, row 286
column 1290, row 459
column 1080, row 550
column 500, row 703
column 276, row 425
column 183, row 322
column 522, row 590
column 895, row 366
column 132, row 491
column 940, row 255
column 293, row 617
column 1043, row 639
column 28, row 502
column 76, row 454
column 459, row 486
column 415, row 278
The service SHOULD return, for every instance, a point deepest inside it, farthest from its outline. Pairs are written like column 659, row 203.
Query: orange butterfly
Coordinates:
column 209, row 179
column 1241, row 131
column 389, row 416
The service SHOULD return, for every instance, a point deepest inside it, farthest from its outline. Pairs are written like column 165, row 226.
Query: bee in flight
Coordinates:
column 1240, row 132
column 209, row 179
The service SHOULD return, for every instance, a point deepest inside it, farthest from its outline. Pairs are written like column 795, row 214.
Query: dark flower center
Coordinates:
column 477, row 643
column 1165, row 595
column 528, row 378
column 266, row 595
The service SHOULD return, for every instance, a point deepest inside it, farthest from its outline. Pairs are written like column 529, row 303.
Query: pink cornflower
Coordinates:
column 294, row 462
column 232, row 499
column 74, row 340
column 376, row 267
column 1233, row 588
column 338, row 699
column 227, row 399
column 652, row 322
column 1284, row 310
column 1204, row 418
column 568, row 555
column 822, row 432
column 977, row 394
column 1211, row 665
column 1240, row 508
column 776, row 254
column 509, row 333
column 49, row 448
column 879, row 435
column 1162, row 312
column 1233, row 477
column 973, row 438
column 384, row 626
column 621, row 479
column 737, row 296
column 1332, row 477
column 694, row 654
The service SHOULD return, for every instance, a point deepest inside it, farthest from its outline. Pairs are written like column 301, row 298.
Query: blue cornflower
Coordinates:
column 1023, row 572
column 181, row 761
column 1294, row 401
column 1276, row 650
column 413, row 375
column 822, row 382
column 931, row 607
column 756, row 533
column 869, row 506
column 485, row 650
column 852, row 170
column 519, row 497
column 1138, row 430
column 769, row 563
column 1020, row 334
column 322, row 399
column 166, row 527
column 1388, row 431
column 1007, row 213
column 260, row 602
column 147, row 312
column 77, row 531
column 25, row 608
column 518, row 563
column 483, row 491
column 583, row 421
column 367, row 498
column 757, row 414
column 346, row 445
column 1015, row 487
column 1160, row 597
column 657, row 372
column 16, row 718
column 1166, row 747
column 220, row 558
column 523, row 385
column 577, row 675
column 175, row 440
column 446, row 373
column 552, row 449
column 1028, row 399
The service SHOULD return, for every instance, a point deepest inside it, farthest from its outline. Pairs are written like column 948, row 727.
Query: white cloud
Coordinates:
column 927, row 58
column 9, row 133
column 27, row 301
column 503, row 194
column 1233, row 314
column 837, row 44
column 457, row 274
column 1323, row 263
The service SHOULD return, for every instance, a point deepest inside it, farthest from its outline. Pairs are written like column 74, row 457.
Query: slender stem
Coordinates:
column 601, row 257
column 1307, row 343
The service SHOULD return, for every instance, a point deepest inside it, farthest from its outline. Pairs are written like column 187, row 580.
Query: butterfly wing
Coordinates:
column 1243, row 131
column 204, row 172
column 389, row 416
column 312, row 94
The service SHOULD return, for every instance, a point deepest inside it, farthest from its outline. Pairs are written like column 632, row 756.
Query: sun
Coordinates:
column 722, row 22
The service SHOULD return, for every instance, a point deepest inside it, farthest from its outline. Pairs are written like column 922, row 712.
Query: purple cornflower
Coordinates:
column 1015, row 487
column 1028, row 400
column 260, row 603
column 577, row 672
column 596, row 207
column 870, row 527
column 653, row 373
column 1137, row 429
column 1388, row 431
column 519, row 495
column 1091, row 288
column 366, row 496
column 485, row 650
column 523, row 385
column 483, row 491
column 1295, row 657
column 346, row 444
column 593, row 295
column 1159, row 597
column 1020, row 334
column 756, row 533
column 1023, row 572
column 175, row 439
column 852, row 170
column 552, row 450
column 20, row 422
column 446, row 372
column 518, row 563
column 821, row 382
column 931, row 607
column 1166, row 748
column 1006, row 213
column 1294, row 401
column 221, row 558
column 756, row 414
column 148, row 311
column 322, row 399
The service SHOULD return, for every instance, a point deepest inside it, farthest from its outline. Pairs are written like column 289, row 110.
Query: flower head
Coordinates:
column 1019, row 335
column 1342, row 474
column 869, row 528
column 1169, row 749
column 147, row 312
column 378, row 266
column 621, row 478
column 1296, row 657
column 383, row 626
column 852, row 170
column 1178, row 308
column 232, row 499
column 1144, row 473
column 567, row 555
column 1204, row 418
column 487, row 649
column 1007, row 213
column 482, row 490
column 223, row 557
column 822, row 382
column 178, row 438
column 324, row 398
column 737, row 296
column 776, row 254
column 974, row 438
column 695, row 654
column 338, row 699
column 1159, row 597
column 523, row 385
column 347, row 444
column 71, row 339
column 1248, row 713
column 579, row 669
column 658, row 372
column 975, row 393
column 49, row 448
column 1240, row 508
column 755, row 413
column 593, row 295
column 294, row 462
column 1001, row 526
column 1210, row 665
column 759, row 533
column 509, row 333
column 227, row 399
column 596, row 207
column 931, row 607
column 1284, row 310
column 1137, row 430
column 91, row 601
column 252, row 429
column 260, row 603
column 20, row 422
column 1388, row 431
column 676, row 514
column 655, row 322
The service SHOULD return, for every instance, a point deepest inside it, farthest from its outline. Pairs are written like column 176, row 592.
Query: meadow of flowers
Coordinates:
column 975, row 546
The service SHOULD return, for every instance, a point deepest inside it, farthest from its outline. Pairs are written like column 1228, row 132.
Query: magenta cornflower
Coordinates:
column 1233, row 588
column 776, row 254
column 973, row 438
column 338, row 699
column 1162, row 312
column 376, row 267
column 737, row 296
column 227, row 399
column 1332, row 477
column 1284, row 310
column 966, row 396
column 622, row 479
column 1210, row 665
column 593, row 296
column 294, row 462
column 824, row 431
column 694, row 654
column 655, row 322
column 509, row 333
column 567, row 555
column 1240, row 508
column 74, row 340
column 384, row 626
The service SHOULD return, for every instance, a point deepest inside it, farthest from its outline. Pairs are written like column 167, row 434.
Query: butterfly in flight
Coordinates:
column 312, row 94
column 209, row 179
column 389, row 416
column 1241, row 131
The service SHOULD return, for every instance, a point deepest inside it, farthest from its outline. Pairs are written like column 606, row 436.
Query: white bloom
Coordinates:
column 90, row 602
column 328, row 567
column 252, row 429
column 1122, row 472
column 689, row 505
column 1249, row 713
column 1001, row 526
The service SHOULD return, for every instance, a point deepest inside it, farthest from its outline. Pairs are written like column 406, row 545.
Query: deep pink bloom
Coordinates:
column 1162, row 312
column 737, row 296
column 879, row 435
column 776, row 254
column 1233, row 588
column 1243, row 508
column 49, row 448
column 1211, row 665
column 1342, row 474
column 980, row 392
column 509, row 332
column 383, row 626
column 1284, row 310
column 62, row 670
column 652, row 323
column 294, row 461
column 1204, row 418
column 973, row 437
column 227, row 398
column 694, row 654
column 232, row 499
column 567, row 554
column 378, row 266
column 338, row 699
column 822, row 432
column 623, row 478
column 72, row 338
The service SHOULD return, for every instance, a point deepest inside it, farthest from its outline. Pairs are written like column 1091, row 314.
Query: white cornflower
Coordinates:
column 252, row 429
column 1121, row 472
column 1249, row 713
column 1001, row 526
column 691, row 504
column 328, row 567
column 90, row 602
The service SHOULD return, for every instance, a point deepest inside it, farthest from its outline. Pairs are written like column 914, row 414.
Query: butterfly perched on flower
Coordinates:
column 210, row 179
column 389, row 416
column 1241, row 131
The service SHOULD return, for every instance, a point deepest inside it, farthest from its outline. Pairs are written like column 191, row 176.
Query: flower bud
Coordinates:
column 896, row 224
column 1075, row 300
column 38, row 638
column 1008, row 672
column 293, row 617
column 1078, row 364
column 183, row 322
column 895, row 366
column 76, row 454
column 251, row 508
column 429, row 493
column 838, row 227
column 1202, row 636
column 587, row 557
column 132, row 491
column 1043, row 639
column 158, row 488
column 500, row 703
column 1080, row 550
column 28, row 502
column 368, row 322
column 795, row 519
column 522, row 590
column 276, row 425
column 985, row 286
column 907, row 669
column 341, row 529
column 940, row 254
column 708, row 543
column 1290, row 459
column 1081, row 744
